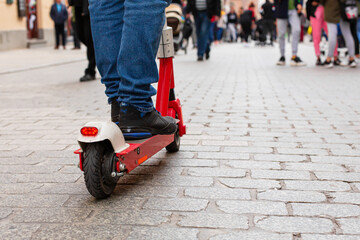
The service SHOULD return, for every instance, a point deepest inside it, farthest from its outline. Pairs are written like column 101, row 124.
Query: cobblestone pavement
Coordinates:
column 271, row 153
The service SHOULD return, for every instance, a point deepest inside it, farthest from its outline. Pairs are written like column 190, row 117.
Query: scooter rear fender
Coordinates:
column 106, row 131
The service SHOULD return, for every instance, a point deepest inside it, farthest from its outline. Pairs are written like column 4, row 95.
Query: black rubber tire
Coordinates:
column 98, row 180
column 175, row 145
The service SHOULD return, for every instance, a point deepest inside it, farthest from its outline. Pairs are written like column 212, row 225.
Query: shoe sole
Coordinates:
column 280, row 64
column 135, row 133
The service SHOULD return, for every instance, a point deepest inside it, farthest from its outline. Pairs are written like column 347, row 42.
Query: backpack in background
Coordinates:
column 349, row 10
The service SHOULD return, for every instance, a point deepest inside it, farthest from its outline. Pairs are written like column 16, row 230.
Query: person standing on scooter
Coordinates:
column 203, row 11
column 83, row 30
column 126, row 37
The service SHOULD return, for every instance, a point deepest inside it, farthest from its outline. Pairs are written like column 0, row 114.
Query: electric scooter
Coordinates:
column 105, row 156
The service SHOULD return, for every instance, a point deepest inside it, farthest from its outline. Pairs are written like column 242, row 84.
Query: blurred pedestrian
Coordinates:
column 232, row 21
column 221, row 26
column 247, row 19
column 354, row 31
column 268, row 14
column 83, row 29
column 333, row 16
column 315, row 12
column 288, row 12
column 59, row 15
column 203, row 11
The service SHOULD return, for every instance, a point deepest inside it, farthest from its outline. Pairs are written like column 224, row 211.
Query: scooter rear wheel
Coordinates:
column 175, row 145
column 98, row 160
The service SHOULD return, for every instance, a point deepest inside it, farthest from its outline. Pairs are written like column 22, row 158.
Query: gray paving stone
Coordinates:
column 280, row 174
column 61, row 188
column 333, row 210
column 198, row 148
column 340, row 197
column 250, row 183
column 144, row 170
column 302, row 151
column 47, row 178
column 51, row 215
column 129, row 217
column 248, row 150
column 169, row 204
column 33, row 201
column 223, row 156
column 10, row 231
column 118, row 202
column 279, row 157
column 16, row 188
column 76, row 231
column 314, row 167
column 328, row 237
column 210, row 220
column 217, row 172
column 291, row 196
column 336, row 159
column 217, row 193
column 224, row 143
column 191, row 163
column 29, row 169
column 4, row 213
column 253, row 164
column 330, row 186
column 350, row 225
column 162, row 233
column 340, row 176
column 145, row 191
column 252, row 207
column 295, row 224
column 252, row 236
column 186, row 181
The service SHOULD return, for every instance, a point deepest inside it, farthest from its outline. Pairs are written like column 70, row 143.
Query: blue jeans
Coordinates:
column 126, row 36
column 202, row 23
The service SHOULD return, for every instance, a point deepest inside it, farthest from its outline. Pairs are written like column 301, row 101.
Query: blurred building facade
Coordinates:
column 25, row 23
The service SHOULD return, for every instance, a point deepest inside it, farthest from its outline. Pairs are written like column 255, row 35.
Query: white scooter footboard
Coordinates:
column 99, row 131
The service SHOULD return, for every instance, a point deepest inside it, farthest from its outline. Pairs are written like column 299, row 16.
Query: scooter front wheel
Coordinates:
column 98, row 164
column 175, row 145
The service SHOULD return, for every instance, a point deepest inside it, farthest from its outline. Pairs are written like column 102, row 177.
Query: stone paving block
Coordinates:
column 129, row 217
column 291, row 196
column 217, row 193
column 333, row 210
column 342, row 197
column 328, row 237
column 23, row 201
column 350, row 225
column 294, row 224
column 279, row 157
column 162, row 233
column 280, row 174
column 47, row 178
column 302, row 151
column 61, row 188
column 76, row 231
column 248, row 150
column 252, row 207
column 16, row 188
column 223, row 156
column 252, row 236
column 4, row 213
column 308, row 166
column 357, row 185
column 210, row 220
column 117, row 202
column 339, row 176
column 18, row 161
column 176, row 204
column 200, row 148
column 10, row 231
column 217, row 172
column 347, row 152
column 330, row 186
column 145, row 191
column 336, row 160
column 151, row 170
column 190, row 163
column 250, row 183
column 253, row 164
column 224, row 143
column 16, row 153
column 29, row 169
column 51, row 215
column 178, row 155
column 185, row 181
column 7, row 178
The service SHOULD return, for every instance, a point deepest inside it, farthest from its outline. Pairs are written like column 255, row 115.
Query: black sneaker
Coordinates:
column 328, row 64
column 352, row 63
column 337, row 62
column 200, row 58
column 207, row 55
column 281, row 61
column 115, row 111
column 137, row 125
column 318, row 62
column 297, row 62
column 87, row 77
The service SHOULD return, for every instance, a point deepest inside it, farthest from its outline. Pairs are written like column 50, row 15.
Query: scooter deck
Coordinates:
column 138, row 151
